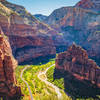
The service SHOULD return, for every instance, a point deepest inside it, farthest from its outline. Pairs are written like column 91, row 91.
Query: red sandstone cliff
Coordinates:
column 8, row 90
column 28, row 37
column 75, row 61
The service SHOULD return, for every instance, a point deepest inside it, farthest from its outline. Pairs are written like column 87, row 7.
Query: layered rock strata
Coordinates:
column 28, row 37
column 8, row 89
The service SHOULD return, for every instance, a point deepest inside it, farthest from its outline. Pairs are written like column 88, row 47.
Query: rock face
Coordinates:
column 75, row 61
column 56, row 15
column 8, row 90
column 89, row 4
column 79, row 24
column 28, row 37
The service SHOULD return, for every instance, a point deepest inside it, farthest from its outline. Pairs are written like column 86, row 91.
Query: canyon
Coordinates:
column 29, row 38
column 79, row 24
column 35, row 39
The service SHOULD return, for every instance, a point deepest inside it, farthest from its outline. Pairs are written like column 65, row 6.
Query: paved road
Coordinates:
column 26, row 82
column 57, row 90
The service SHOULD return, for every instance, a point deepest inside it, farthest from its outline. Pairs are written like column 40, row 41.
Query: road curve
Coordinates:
column 26, row 82
column 57, row 90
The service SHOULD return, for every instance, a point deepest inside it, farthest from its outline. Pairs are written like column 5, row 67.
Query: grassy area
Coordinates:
column 39, row 89
column 57, row 82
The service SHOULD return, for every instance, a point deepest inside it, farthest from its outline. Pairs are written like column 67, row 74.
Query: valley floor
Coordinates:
column 44, row 79
column 30, row 80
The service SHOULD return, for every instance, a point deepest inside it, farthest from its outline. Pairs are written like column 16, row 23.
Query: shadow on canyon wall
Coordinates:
column 38, row 60
column 77, row 88
column 17, row 96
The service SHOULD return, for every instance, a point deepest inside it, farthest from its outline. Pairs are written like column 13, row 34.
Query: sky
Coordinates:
column 44, row 7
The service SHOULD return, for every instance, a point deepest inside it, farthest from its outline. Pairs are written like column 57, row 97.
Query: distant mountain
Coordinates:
column 56, row 15
column 80, row 25
column 40, row 17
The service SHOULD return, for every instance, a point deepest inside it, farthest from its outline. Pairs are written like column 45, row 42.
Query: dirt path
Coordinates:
column 57, row 90
column 26, row 82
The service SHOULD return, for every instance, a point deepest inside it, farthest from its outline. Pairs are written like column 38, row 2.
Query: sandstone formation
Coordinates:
column 28, row 37
column 8, row 90
column 79, row 24
column 75, row 61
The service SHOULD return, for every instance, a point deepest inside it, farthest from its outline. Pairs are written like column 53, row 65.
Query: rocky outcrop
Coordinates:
column 75, row 61
column 8, row 90
column 28, row 37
